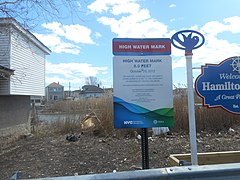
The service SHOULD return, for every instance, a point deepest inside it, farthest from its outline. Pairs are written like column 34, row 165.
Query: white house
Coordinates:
column 91, row 91
column 22, row 52
column 22, row 72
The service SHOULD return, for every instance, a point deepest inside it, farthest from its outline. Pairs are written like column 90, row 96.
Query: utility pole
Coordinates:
column 69, row 90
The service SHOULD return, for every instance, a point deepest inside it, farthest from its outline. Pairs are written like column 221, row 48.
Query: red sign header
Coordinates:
column 129, row 46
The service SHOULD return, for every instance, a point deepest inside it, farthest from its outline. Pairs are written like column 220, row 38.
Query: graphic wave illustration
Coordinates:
column 138, row 109
column 124, row 110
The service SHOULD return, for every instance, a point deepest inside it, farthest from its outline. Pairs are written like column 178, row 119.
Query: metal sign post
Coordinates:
column 186, row 41
column 145, row 154
column 191, row 111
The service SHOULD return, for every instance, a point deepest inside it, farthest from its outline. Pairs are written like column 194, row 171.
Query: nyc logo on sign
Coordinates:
column 219, row 85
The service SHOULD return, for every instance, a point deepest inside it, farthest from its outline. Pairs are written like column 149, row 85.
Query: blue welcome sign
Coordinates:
column 219, row 85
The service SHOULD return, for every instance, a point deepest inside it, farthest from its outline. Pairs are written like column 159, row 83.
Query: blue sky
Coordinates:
column 82, row 47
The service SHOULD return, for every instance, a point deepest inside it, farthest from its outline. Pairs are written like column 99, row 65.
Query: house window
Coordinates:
column 37, row 101
column 55, row 89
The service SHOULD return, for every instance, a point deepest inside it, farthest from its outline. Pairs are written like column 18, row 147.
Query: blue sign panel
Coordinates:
column 219, row 85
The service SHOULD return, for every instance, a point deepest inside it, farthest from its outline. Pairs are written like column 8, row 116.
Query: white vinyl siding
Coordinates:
column 4, row 46
column 4, row 58
column 22, row 52
column 4, row 86
column 28, row 61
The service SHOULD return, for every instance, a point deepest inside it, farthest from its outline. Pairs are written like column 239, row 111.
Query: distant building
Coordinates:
column 91, row 91
column 22, row 73
column 108, row 91
column 67, row 94
column 54, row 92
column 37, row 100
column 76, row 94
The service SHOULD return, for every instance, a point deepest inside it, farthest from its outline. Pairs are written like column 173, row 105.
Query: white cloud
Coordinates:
column 233, row 24
column 49, row 40
column 126, row 18
column 54, row 27
column 75, row 32
column 172, row 5
column 65, row 38
column 56, row 45
column 101, row 6
column 75, row 83
column 66, row 48
column 78, row 34
column 72, row 72
column 98, row 35
column 213, row 28
column 71, row 69
column 179, row 62
column 127, row 7
column 215, row 49
column 125, row 27
column 136, row 24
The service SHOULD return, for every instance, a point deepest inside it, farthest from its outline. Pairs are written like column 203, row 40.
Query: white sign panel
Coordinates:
column 142, row 91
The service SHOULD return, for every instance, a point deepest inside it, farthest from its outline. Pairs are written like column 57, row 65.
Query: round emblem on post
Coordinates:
column 187, row 40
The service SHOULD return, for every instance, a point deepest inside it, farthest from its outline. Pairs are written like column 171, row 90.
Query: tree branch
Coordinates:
column 9, row 2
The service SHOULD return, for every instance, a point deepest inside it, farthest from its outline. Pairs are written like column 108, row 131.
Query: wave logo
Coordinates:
column 127, row 122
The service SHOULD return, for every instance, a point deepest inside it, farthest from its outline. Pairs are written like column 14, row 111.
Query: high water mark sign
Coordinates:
column 142, row 83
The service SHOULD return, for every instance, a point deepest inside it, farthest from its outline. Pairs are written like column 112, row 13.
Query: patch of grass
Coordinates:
column 207, row 119
column 67, row 126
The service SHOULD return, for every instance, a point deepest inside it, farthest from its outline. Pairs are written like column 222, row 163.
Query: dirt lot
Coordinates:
column 52, row 155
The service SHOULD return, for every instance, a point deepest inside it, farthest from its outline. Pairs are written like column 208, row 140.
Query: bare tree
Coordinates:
column 29, row 12
column 91, row 80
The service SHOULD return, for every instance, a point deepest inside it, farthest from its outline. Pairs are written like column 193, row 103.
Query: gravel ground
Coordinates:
column 52, row 155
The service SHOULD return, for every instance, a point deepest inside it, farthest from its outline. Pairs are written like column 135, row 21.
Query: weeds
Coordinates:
column 215, row 119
